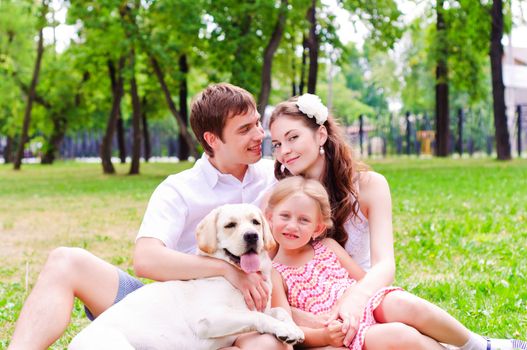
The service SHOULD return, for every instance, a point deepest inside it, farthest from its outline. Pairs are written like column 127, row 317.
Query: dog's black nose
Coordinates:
column 250, row 237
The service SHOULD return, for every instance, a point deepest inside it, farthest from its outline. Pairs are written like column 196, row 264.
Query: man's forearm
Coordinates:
column 155, row 261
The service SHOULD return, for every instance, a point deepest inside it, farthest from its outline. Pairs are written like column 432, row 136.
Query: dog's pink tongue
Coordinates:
column 250, row 262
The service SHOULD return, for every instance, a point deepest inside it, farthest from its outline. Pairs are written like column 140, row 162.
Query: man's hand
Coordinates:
column 251, row 285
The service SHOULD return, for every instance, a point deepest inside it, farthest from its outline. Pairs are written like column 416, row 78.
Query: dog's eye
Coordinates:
column 230, row 225
column 256, row 222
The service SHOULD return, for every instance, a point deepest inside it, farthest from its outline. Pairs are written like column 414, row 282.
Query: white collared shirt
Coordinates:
column 180, row 202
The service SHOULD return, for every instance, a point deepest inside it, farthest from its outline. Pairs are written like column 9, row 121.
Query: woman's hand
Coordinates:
column 334, row 334
column 252, row 286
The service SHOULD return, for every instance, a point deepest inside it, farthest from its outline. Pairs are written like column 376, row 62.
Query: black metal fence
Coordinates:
column 412, row 134
column 86, row 144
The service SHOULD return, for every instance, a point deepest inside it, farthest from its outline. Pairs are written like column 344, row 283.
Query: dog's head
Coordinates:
column 237, row 233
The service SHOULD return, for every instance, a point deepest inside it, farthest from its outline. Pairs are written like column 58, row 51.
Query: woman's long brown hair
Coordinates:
column 340, row 173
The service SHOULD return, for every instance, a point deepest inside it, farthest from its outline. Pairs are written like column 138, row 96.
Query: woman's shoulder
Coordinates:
column 369, row 177
column 371, row 181
column 372, row 188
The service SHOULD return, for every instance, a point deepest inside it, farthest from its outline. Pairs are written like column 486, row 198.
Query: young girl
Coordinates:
column 312, row 273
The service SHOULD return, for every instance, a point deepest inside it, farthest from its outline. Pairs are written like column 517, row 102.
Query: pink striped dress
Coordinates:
column 316, row 287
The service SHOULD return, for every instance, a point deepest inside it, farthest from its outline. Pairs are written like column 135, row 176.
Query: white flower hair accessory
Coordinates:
column 312, row 106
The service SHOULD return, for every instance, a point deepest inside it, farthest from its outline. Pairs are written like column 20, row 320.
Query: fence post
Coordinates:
column 361, row 132
column 408, row 130
column 519, row 113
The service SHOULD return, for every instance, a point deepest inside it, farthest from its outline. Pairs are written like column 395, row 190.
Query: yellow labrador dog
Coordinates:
column 205, row 313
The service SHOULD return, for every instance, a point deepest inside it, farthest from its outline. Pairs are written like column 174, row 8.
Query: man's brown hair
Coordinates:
column 211, row 108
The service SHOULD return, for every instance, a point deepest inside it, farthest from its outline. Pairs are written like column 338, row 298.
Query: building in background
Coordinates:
column 515, row 81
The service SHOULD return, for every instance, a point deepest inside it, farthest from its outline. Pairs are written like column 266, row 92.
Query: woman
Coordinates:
column 307, row 141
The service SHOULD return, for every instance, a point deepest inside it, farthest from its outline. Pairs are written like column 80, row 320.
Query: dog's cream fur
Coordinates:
column 205, row 313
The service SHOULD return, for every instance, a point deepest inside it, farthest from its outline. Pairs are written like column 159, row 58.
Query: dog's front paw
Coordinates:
column 289, row 333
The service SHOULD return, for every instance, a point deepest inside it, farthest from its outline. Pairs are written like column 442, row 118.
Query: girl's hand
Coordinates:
column 251, row 285
column 334, row 334
column 307, row 319
column 350, row 311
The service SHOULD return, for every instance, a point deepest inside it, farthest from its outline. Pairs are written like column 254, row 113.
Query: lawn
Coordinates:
column 460, row 231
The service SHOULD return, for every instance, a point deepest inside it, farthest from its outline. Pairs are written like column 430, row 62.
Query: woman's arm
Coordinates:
column 375, row 202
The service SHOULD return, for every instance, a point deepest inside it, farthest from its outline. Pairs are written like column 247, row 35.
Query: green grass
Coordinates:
column 460, row 231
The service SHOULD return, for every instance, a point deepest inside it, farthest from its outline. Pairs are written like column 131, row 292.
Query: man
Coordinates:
column 225, row 121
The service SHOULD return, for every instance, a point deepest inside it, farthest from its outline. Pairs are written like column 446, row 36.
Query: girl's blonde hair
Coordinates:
column 297, row 184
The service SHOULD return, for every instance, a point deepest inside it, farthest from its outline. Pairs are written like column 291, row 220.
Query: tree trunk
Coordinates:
column 442, row 110
column 55, row 141
column 117, row 94
column 294, row 86
column 172, row 107
column 31, row 95
column 183, row 110
column 60, row 123
column 120, row 137
column 136, row 119
column 313, row 49
column 302, row 83
column 146, row 135
column 270, row 49
column 503, row 146
column 8, row 150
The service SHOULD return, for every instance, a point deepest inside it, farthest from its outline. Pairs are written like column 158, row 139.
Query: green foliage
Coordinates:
column 418, row 91
column 17, row 52
column 382, row 18
column 465, row 45
column 346, row 104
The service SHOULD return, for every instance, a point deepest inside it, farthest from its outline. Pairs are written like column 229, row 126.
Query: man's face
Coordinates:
column 242, row 139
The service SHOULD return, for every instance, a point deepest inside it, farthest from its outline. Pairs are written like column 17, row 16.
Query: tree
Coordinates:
column 17, row 53
column 270, row 49
column 32, row 89
column 136, row 117
column 312, row 44
column 128, row 13
column 442, row 111
column 171, row 33
column 117, row 88
column 453, row 56
column 503, row 145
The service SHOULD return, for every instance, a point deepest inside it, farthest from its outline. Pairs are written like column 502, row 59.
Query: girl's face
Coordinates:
column 297, row 147
column 295, row 221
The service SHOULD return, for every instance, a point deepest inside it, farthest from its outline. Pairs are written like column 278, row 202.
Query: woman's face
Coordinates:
column 297, row 146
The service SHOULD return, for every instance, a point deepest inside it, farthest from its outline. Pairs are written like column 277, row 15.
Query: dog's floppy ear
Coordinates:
column 269, row 243
column 206, row 232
